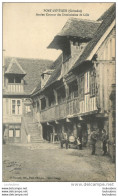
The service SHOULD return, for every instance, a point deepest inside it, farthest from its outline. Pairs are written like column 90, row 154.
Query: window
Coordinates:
column 81, row 87
column 51, row 98
column 14, row 79
column 86, row 84
column 13, row 106
column 17, row 80
column 37, row 106
column 43, row 103
column 11, row 133
column 61, row 94
column 93, row 83
column 11, row 80
column 16, row 106
column 17, row 133
column 14, row 131
column 73, row 90
column 27, row 108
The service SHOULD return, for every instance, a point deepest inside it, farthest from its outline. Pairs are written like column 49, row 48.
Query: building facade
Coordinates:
column 77, row 96
column 17, row 104
column 76, row 92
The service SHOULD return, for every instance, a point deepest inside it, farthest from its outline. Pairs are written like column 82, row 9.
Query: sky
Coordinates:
column 27, row 35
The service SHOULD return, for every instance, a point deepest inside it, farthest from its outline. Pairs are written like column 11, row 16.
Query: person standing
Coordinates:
column 64, row 139
column 79, row 129
column 85, row 138
column 93, row 141
column 104, row 140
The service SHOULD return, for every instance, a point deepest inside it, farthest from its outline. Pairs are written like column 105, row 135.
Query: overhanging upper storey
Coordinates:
column 75, row 29
column 72, row 40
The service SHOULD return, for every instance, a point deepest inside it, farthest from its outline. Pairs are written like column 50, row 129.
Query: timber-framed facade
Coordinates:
column 79, row 89
column 76, row 92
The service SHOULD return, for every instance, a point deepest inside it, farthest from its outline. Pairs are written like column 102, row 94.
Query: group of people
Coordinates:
column 93, row 138
column 64, row 139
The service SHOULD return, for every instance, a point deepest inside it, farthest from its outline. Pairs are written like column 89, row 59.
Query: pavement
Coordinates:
column 47, row 162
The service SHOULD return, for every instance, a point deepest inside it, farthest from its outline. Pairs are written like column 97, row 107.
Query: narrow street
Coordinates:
column 47, row 162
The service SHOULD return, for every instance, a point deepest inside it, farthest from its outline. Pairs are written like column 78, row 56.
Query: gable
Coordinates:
column 33, row 68
column 15, row 68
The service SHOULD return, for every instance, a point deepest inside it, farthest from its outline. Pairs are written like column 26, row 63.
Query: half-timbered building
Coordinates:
column 80, row 92
column 75, row 93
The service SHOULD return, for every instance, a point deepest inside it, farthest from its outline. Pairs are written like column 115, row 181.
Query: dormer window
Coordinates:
column 45, row 76
column 13, row 79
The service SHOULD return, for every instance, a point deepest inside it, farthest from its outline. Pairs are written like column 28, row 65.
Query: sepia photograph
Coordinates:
column 59, row 92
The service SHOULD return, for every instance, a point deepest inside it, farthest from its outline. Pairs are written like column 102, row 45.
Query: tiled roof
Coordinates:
column 108, row 17
column 82, row 29
column 33, row 69
column 15, row 68
column 79, row 28
column 55, row 74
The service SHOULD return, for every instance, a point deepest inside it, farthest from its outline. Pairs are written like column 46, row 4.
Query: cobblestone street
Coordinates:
column 47, row 162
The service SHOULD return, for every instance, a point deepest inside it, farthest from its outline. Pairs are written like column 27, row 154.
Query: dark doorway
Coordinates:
column 47, row 130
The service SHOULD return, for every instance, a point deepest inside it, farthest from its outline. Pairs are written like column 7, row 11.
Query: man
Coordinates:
column 85, row 138
column 79, row 129
column 64, row 139
column 104, row 140
column 93, row 141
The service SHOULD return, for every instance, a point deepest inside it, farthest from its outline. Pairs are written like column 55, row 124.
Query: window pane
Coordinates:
column 93, row 84
column 13, row 106
column 18, row 109
column 13, row 111
column 11, row 79
column 18, row 102
column 13, row 102
column 11, row 133
column 81, row 87
column 18, row 133
column 17, row 80
column 43, row 103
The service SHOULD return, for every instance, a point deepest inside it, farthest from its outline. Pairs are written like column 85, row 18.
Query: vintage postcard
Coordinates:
column 59, row 92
